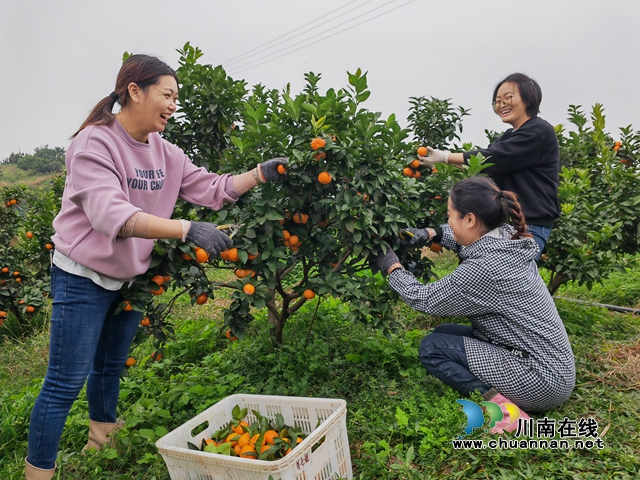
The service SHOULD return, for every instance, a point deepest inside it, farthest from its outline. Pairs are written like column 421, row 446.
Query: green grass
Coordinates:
column 11, row 175
column 400, row 420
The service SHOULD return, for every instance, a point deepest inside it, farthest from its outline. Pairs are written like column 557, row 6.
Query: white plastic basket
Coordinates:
column 331, row 460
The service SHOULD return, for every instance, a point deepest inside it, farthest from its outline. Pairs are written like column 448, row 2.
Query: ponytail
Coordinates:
column 492, row 206
column 512, row 208
column 144, row 71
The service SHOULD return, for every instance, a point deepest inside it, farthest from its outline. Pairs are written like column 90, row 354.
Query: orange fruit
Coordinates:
column 248, row 451
column 286, row 234
column 130, row 362
column 269, row 435
column 264, row 448
column 238, row 429
column 422, row 151
column 320, row 156
column 233, row 254
column 282, row 169
column 407, row 172
column 159, row 291
column 18, row 279
column 254, row 439
column 5, row 270
column 201, row 255
column 294, row 240
column 232, row 438
column 145, row 322
column 249, row 289
column 323, row 223
column 317, row 143
column 157, row 279
column 29, row 234
column 434, row 170
column 16, row 273
column 237, row 449
column 224, row 255
column 438, row 197
column 252, row 256
column 21, row 302
column 294, row 248
column 435, row 247
column 288, row 451
column 187, row 257
column 618, row 144
column 415, row 163
column 13, row 201
column 166, row 278
column 3, row 314
column 241, row 273
column 308, row 294
column 230, row 336
column 416, row 174
column 48, row 246
column 244, row 439
column 301, row 218
column 30, row 309
column 127, row 306
column 616, row 148
column 324, row 178
column 8, row 204
column 156, row 356
column 202, row 299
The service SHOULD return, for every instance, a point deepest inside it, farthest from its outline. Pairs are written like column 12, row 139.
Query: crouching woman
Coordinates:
column 516, row 349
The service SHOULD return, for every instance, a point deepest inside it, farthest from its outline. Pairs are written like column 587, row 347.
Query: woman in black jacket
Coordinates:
column 525, row 158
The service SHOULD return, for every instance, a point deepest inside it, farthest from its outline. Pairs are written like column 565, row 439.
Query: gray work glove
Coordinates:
column 269, row 169
column 384, row 260
column 207, row 236
column 410, row 237
column 435, row 156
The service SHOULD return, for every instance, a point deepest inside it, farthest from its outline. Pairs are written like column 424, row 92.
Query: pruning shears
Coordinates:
column 232, row 227
column 405, row 235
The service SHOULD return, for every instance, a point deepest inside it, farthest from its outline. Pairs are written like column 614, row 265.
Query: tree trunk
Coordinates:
column 555, row 283
column 278, row 326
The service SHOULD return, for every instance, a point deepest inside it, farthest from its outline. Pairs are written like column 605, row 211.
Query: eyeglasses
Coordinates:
column 506, row 100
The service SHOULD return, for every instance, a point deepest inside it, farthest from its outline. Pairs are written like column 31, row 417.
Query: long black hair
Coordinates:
column 492, row 206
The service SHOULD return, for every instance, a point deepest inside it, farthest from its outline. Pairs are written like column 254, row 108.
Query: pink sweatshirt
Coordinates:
column 111, row 176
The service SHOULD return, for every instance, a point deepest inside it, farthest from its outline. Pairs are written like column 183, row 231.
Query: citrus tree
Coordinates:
column 313, row 235
column 600, row 200
column 25, row 244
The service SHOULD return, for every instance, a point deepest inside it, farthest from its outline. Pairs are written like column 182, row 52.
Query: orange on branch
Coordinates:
column 249, row 289
column 317, row 143
column 422, row 151
column 324, row 178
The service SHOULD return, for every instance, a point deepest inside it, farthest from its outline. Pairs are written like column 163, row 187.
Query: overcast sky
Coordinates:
column 58, row 58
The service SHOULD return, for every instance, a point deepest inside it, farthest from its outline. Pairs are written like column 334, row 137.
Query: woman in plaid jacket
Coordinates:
column 516, row 349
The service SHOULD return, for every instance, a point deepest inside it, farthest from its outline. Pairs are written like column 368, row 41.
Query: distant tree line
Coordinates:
column 43, row 160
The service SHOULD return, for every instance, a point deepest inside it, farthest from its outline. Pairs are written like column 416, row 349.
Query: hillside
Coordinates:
column 12, row 175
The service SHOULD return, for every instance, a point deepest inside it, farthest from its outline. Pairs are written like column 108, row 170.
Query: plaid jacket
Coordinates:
column 497, row 286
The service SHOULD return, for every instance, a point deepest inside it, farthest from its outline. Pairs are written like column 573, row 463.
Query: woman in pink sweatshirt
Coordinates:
column 123, row 181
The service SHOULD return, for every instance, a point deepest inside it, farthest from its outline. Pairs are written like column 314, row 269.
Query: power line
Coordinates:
column 323, row 38
column 325, row 31
column 260, row 47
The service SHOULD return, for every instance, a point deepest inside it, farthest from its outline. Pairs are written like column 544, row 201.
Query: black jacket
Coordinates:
column 527, row 162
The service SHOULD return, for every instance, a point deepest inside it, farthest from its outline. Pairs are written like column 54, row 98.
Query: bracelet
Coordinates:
column 186, row 225
column 256, row 176
column 398, row 267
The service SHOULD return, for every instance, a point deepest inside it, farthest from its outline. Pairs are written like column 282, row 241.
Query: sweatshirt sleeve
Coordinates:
column 466, row 291
column 444, row 236
column 521, row 150
column 205, row 188
column 95, row 186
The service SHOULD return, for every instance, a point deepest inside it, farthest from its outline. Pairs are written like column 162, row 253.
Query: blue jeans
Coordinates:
column 86, row 339
column 442, row 353
column 540, row 235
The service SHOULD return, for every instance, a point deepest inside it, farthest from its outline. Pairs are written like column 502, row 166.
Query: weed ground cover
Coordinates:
column 401, row 422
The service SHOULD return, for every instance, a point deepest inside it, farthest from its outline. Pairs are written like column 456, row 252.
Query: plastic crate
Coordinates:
column 331, row 460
